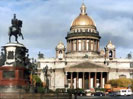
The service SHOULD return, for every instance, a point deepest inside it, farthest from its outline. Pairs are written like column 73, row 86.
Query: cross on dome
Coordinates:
column 83, row 9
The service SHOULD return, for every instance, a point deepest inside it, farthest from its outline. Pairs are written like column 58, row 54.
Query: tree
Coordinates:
column 121, row 82
column 124, row 82
column 36, row 80
column 38, row 84
column 113, row 82
column 131, row 84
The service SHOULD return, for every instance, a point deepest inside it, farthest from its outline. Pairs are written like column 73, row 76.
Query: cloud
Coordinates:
column 46, row 22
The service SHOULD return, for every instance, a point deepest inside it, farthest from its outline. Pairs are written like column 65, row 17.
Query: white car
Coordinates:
column 124, row 92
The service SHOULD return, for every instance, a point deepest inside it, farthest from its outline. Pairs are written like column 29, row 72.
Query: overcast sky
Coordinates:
column 46, row 22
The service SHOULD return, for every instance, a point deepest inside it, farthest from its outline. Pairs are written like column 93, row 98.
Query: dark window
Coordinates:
column 10, row 55
column 60, row 52
column 110, row 53
column 8, row 74
column 131, row 65
column 131, row 75
column 38, row 64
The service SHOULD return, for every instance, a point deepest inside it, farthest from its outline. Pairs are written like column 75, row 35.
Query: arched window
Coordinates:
column 60, row 52
column 60, row 56
column 110, row 53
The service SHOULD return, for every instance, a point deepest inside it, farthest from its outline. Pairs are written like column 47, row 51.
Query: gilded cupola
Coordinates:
column 83, row 22
column 83, row 37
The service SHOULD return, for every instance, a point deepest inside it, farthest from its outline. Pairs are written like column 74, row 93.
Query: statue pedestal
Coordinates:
column 15, row 54
column 13, row 79
column 14, row 75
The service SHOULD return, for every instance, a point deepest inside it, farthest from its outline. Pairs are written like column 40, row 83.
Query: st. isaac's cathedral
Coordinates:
column 81, row 63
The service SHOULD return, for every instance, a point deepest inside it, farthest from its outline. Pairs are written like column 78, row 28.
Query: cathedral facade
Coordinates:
column 82, row 64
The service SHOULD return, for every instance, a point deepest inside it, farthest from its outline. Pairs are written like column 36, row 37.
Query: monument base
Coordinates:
column 13, row 79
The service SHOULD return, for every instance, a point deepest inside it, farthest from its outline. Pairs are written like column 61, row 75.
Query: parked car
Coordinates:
column 113, row 93
column 124, row 92
column 98, row 94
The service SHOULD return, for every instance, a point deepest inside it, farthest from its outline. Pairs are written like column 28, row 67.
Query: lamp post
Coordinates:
column 45, row 71
column 66, row 83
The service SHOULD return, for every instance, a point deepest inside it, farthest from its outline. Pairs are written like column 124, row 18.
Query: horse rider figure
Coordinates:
column 15, row 29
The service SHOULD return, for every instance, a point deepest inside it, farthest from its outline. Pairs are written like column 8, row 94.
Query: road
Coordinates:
column 104, row 97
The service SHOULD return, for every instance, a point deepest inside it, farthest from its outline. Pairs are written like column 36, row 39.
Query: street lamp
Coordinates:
column 45, row 71
column 66, row 83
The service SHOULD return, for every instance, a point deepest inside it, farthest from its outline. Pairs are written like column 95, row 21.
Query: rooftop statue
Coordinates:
column 15, row 29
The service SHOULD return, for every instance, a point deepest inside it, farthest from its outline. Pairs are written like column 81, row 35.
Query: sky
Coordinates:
column 46, row 22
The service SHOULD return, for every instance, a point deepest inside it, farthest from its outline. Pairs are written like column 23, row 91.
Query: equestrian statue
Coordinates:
column 15, row 29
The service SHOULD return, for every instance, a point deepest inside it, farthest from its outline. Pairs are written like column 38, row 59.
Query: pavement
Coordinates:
column 104, row 97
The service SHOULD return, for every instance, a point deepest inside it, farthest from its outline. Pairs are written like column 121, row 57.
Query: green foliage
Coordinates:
column 38, row 84
column 40, row 90
column 79, row 90
column 113, row 82
column 121, row 82
column 60, row 90
column 38, row 80
column 71, row 91
column 51, row 91
column 131, row 84
column 100, row 89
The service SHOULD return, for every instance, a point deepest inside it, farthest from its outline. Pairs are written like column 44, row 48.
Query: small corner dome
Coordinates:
column 110, row 45
column 83, row 19
column 60, row 45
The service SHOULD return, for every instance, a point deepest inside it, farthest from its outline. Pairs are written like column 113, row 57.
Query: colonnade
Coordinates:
column 86, row 80
column 82, row 45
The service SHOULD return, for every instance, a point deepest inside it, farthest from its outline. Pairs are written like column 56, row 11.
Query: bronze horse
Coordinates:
column 15, row 29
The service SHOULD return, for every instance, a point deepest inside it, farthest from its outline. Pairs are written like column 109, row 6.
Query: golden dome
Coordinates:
column 83, row 19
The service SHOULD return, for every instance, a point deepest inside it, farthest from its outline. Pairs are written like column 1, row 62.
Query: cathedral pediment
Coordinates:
column 87, row 66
